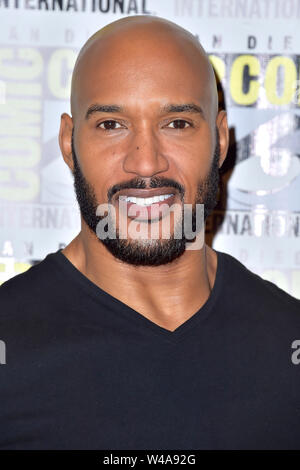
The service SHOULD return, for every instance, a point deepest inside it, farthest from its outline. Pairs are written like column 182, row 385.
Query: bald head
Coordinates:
column 141, row 43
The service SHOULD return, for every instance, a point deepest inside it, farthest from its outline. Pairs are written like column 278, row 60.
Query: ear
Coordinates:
column 65, row 138
column 221, row 123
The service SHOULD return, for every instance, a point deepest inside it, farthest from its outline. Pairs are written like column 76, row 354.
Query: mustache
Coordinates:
column 140, row 183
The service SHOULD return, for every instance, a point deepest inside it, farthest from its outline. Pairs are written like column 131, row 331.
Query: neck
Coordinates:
column 167, row 295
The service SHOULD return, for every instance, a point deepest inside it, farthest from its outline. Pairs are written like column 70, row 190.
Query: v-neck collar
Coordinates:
column 101, row 295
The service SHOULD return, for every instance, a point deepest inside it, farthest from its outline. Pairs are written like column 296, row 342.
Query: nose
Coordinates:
column 144, row 156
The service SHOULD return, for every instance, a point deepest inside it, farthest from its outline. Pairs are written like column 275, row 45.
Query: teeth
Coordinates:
column 145, row 201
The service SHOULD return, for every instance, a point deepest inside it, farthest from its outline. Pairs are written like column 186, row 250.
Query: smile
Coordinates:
column 146, row 201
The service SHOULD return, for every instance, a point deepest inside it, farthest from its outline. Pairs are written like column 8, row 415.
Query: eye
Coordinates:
column 179, row 124
column 109, row 125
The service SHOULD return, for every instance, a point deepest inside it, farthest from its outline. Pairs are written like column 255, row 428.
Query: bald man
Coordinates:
column 126, row 340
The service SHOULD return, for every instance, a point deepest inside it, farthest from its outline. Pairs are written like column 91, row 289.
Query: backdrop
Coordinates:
column 254, row 47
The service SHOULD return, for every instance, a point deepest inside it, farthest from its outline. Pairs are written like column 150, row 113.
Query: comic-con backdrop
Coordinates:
column 254, row 46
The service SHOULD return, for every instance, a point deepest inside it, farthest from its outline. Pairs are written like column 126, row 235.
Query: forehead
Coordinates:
column 143, row 71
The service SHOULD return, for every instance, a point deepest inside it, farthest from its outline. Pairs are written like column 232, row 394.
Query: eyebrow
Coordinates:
column 102, row 108
column 183, row 108
column 169, row 108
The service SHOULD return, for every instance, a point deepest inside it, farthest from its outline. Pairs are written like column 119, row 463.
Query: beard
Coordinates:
column 141, row 252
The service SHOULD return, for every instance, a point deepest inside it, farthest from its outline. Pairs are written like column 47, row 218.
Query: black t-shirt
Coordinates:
column 85, row 371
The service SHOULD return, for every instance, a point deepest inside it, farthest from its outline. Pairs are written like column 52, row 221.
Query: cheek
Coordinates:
column 193, row 152
column 100, row 161
column 193, row 163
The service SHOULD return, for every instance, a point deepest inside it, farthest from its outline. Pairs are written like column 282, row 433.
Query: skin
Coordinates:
column 142, row 64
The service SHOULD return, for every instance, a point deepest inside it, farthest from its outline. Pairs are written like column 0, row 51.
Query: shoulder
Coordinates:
column 29, row 286
column 250, row 291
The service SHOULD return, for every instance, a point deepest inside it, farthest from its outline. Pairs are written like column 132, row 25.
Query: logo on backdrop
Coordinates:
column 123, row 7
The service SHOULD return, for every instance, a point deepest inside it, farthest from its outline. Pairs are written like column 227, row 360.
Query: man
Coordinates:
column 146, row 343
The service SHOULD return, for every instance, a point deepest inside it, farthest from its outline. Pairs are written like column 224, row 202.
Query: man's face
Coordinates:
column 158, row 251
column 144, row 119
